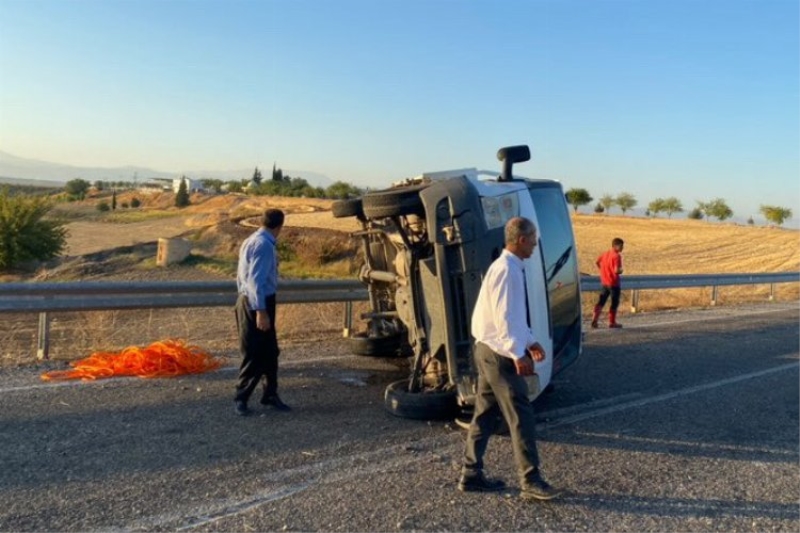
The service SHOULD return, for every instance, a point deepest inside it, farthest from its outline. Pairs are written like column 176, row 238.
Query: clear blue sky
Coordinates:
column 694, row 99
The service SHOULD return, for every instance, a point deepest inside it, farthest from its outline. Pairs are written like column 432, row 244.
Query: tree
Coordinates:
column 135, row 202
column 774, row 214
column 656, row 206
column 598, row 208
column 672, row 205
column 98, row 185
column 76, row 189
column 719, row 209
column 182, row 197
column 750, row 221
column 625, row 201
column 213, row 184
column 277, row 174
column 113, row 200
column 103, row 206
column 342, row 190
column 257, row 177
column 703, row 208
column 607, row 201
column 24, row 234
column 696, row 213
column 577, row 198
column 234, row 186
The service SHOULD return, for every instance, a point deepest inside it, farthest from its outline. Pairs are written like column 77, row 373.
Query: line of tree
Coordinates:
column 669, row 206
column 716, row 208
column 278, row 185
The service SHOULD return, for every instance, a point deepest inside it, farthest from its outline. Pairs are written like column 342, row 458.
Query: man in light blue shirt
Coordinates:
column 505, row 352
column 257, row 282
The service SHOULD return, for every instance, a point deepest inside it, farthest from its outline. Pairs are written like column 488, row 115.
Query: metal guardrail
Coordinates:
column 43, row 298
column 101, row 295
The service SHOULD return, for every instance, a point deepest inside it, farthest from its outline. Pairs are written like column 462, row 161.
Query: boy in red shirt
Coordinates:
column 610, row 265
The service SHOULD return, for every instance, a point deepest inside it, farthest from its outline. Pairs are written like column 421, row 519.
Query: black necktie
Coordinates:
column 527, row 303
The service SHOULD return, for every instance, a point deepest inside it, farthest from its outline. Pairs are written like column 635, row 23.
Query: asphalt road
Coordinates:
column 684, row 421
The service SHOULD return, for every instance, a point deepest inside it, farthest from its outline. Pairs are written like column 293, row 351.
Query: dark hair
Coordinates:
column 272, row 218
column 617, row 242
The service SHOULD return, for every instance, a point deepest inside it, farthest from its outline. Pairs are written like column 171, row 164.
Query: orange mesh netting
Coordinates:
column 162, row 359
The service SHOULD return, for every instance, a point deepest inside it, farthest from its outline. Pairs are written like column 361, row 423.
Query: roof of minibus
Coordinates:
column 472, row 174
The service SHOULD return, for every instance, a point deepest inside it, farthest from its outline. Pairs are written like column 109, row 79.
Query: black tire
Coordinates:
column 394, row 202
column 425, row 405
column 351, row 207
column 385, row 346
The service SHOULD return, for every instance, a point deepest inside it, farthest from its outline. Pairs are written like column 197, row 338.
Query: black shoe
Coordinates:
column 479, row 483
column 539, row 489
column 275, row 402
column 241, row 408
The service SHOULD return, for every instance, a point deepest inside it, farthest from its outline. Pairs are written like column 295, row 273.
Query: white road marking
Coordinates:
column 244, row 506
column 333, row 470
column 704, row 318
column 689, row 444
column 131, row 379
column 667, row 396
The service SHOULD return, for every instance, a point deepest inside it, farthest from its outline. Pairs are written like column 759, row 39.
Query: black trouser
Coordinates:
column 607, row 291
column 501, row 390
column 259, row 351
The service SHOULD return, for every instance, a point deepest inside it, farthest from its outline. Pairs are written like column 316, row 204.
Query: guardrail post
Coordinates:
column 714, row 294
column 348, row 319
column 771, row 292
column 635, row 301
column 43, row 338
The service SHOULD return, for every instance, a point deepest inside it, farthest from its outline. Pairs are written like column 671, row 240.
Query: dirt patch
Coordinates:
column 92, row 237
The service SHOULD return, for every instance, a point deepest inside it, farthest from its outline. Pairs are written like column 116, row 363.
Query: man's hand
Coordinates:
column 263, row 321
column 536, row 352
column 524, row 366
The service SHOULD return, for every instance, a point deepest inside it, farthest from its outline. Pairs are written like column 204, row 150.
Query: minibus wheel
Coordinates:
column 350, row 207
column 423, row 405
column 394, row 202
column 376, row 346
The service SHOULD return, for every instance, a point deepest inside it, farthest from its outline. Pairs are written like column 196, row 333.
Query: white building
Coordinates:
column 191, row 185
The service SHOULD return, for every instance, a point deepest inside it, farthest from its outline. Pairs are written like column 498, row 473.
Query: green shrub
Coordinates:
column 135, row 202
column 24, row 235
column 103, row 207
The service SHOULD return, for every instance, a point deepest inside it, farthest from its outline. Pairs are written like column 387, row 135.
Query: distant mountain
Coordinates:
column 13, row 167
column 31, row 183
column 33, row 169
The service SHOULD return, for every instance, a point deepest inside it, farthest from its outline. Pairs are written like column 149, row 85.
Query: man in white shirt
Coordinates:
column 505, row 351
